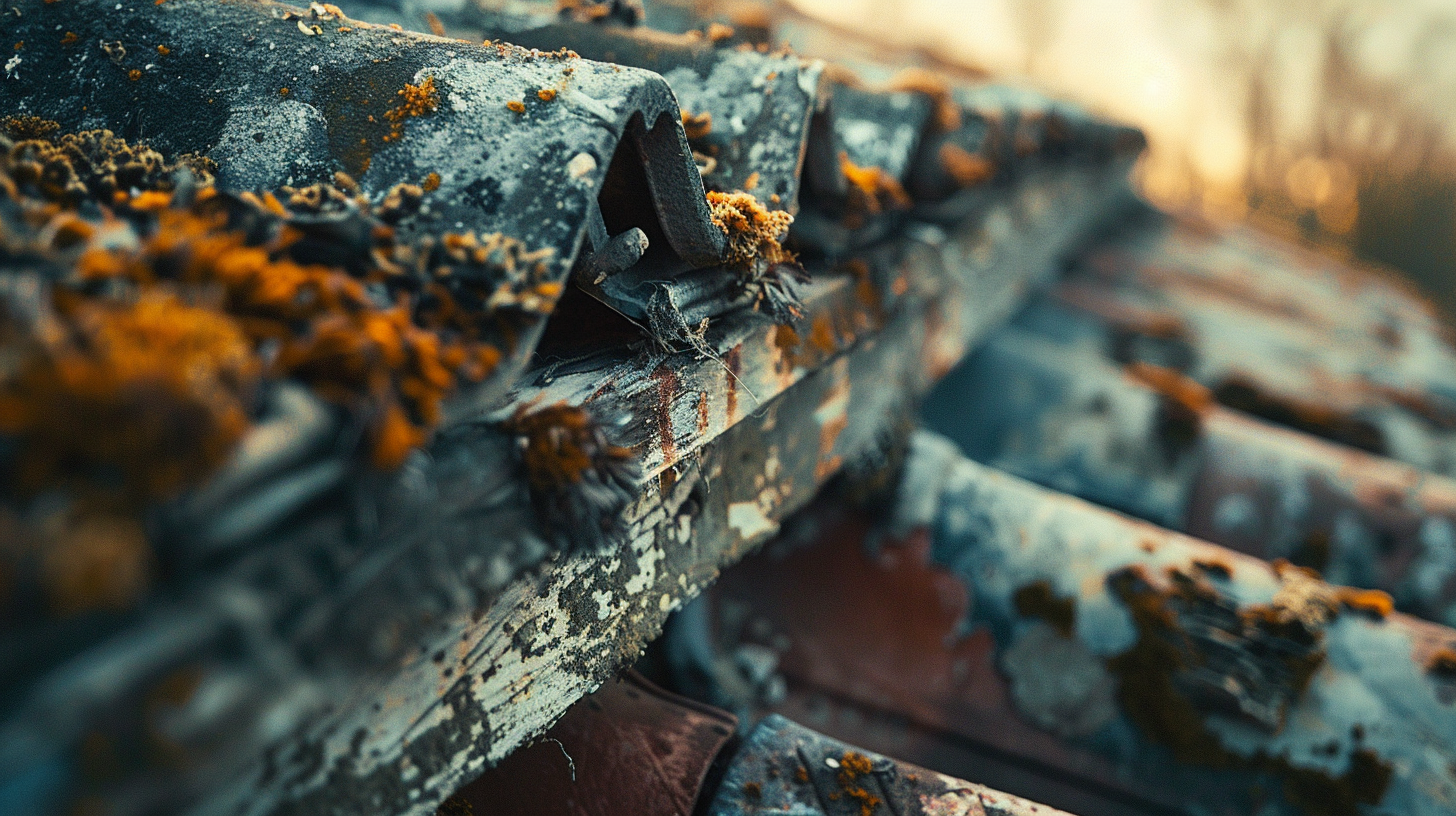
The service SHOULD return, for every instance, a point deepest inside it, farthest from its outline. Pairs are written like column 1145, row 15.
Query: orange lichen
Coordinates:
column 753, row 231
column 92, row 164
column 69, row 38
column 139, row 368
column 1370, row 601
column 163, row 50
column 516, row 106
column 28, row 127
column 401, row 360
column 592, row 11
column 871, row 189
column 560, row 444
column 801, row 774
column 415, row 100
column 136, row 74
column 395, row 363
column 162, row 389
column 852, row 766
column 432, row 183
column 1174, row 385
column 967, row 168
column 697, row 125
column 546, row 94
column 766, row 270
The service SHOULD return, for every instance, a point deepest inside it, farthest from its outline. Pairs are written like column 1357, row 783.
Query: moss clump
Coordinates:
column 767, row 270
column 579, row 478
column 144, row 314
column 94, row 165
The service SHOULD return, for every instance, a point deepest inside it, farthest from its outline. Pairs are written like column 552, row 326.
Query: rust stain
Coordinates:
column 833, row 417
column 702, row 412
column 734, row 360
column 821, row 336
column 789, row 353
column 829, row 462
column 879, row 627
column 667, row 388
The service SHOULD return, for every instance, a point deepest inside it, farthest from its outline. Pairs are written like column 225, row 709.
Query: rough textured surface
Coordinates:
column 759, row 108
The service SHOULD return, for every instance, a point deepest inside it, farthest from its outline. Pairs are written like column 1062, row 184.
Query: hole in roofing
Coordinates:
column 626, row 197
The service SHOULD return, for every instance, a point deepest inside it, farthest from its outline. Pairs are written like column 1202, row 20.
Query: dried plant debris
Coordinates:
column 145, row 316
column 768, row 271
column 580, row 480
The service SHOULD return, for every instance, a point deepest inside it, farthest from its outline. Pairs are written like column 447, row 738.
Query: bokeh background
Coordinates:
column 1333, row 121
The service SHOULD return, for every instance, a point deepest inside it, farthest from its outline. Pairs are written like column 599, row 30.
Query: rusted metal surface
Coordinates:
column 628, row 749
column 1082, row 646
column 1336, row 350
column 1154, row 444
column 388, row 637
